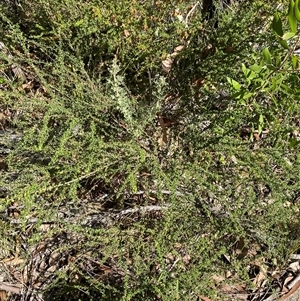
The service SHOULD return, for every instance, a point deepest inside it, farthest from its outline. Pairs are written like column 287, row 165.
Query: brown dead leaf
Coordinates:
column 258, row 280
column 284, row 290
column 105, row 269
column 276, row 275
column 13, row 261
column 167, row 64
column 178, row 49
column 186, row 259
column 291, row 292
column 233, row 289
column 295, row 266
column 126, row 33
column 45, row 227
column 256, row 136
column 52, row 269
column 228, row 49
column 228, row 289
column 18, row 72
column 169, row 258
column 287, row 280
column 55, row 256
column 3, row 295
column 8, row 287
column 28, row 85
column 163, row 127
column 240, row 288
column 178, row 246
column 218, row 278
column 198, row 82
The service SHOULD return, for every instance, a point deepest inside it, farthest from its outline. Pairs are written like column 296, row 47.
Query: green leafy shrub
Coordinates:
column 136, row 184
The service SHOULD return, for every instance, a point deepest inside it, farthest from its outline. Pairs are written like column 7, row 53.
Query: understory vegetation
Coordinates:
column 149, row 150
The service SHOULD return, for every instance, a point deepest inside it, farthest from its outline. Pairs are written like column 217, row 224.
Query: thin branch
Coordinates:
column 12, row 288
column 190, row 12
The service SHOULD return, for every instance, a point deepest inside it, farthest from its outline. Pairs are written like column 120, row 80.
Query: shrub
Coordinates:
column 122, row 182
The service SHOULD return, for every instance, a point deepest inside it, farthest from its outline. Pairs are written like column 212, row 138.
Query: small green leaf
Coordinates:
column 260, row 123
column 132, row 181
column 283, row 43
column 287, row 89
column 293, row 142
column 267, row 56
column 248, row 73
column 252, row 75
column 255, row 68
column 292, row 17
column 78, row 23
column 277, row 25
column 245, row 70
column 274, row 84
column 277, row 61
column 296, row 10
column 295, row 61
column 247, row 95
column 142, row 155
column 222, row 160
column 288, row 35
column 234, row 83
column 38, row 26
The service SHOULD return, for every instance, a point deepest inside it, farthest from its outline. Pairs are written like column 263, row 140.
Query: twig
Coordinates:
column 168, row 192
column 173, row 265
column 294, row 282
column 102, row 218
column 13, row 288
column 293, row 286
column 190, row 12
